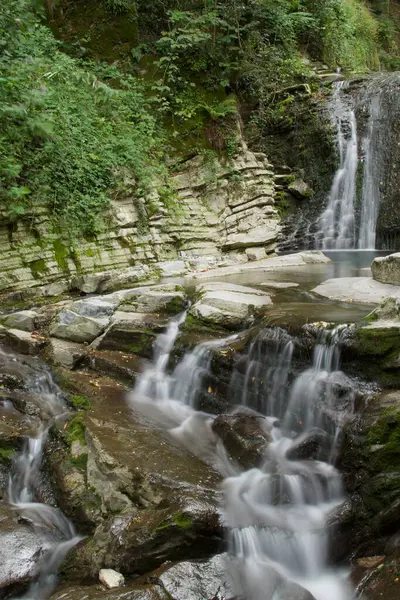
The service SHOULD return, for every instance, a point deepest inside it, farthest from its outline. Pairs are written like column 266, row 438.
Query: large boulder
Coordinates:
column 378, row 340
column 71, row 326
column 143, row 499
column 228, row 305
column 387, row 269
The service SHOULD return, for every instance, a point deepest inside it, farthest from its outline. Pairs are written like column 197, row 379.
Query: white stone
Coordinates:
column 386, row 269
column 255, row 253
column 235, row 302
column 111, row 579
column 357, row 289
column 171, row 268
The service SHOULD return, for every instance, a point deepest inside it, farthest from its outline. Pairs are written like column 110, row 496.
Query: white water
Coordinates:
column 370, row 192
column 275, row 515
column 336, row 225
column 23, row 484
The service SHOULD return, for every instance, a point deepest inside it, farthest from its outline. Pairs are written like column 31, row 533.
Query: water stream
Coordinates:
column 275, row 515
column 336, row 225
column 23, row 490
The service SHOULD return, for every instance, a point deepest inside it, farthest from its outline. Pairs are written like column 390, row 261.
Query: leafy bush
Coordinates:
column 66, row 137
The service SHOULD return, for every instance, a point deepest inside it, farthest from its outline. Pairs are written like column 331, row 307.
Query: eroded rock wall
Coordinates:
column 218, row 211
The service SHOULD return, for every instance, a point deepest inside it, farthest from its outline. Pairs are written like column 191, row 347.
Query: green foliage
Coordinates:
column 65, row 135
column 119, row 7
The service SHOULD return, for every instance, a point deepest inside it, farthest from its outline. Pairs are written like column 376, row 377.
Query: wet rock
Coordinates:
column 132, row 332
column 381, row 581
column 370, row 561
column 278, row 586
column 386, row 269
column 356, row 289
column 114, row 363
column 300, row 189
column 311, row 446
column 65, row 354
column 96, row 592
column 246, row 437
column 77, row 328
column 196, row 580
column 21, row 548
column 154, row 500
column 24, row 319
column 111, row 579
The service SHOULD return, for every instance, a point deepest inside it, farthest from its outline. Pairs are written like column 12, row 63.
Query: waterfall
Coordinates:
column 336, row 225
column 22, row 489
column 275, row 515
column 370, row 192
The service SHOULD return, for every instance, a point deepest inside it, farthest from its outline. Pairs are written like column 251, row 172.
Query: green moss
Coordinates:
column 80, row 462
column 377, row 340
column 81, row 402
column 384, row 441
column 38, row 268
column 141, row 344
column 179, row 520
column 175, row 305
column 6, row 455
column 61, row 254
column 76, row 429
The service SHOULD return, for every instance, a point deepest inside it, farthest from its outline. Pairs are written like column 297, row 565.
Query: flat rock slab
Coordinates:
column 277, row 263
column 357, row 289
column 278, row 285
column 386, row 269
column 228, row 304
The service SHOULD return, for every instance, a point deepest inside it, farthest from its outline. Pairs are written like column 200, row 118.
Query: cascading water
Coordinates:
column 336, row 225
column 371, row 179
column 22, row 491
column 275, row 515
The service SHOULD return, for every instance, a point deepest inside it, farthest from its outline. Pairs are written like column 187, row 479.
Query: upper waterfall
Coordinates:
column 346, row 222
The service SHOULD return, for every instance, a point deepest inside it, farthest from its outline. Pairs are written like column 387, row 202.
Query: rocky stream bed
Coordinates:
column 164, row 420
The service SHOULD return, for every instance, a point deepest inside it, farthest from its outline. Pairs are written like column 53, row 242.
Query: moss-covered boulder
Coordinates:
column 377, row 341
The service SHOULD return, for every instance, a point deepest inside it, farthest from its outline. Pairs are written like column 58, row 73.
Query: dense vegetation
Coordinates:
column 92, row 111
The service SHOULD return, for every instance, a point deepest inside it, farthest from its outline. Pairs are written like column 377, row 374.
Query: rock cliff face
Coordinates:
column 217, row 211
